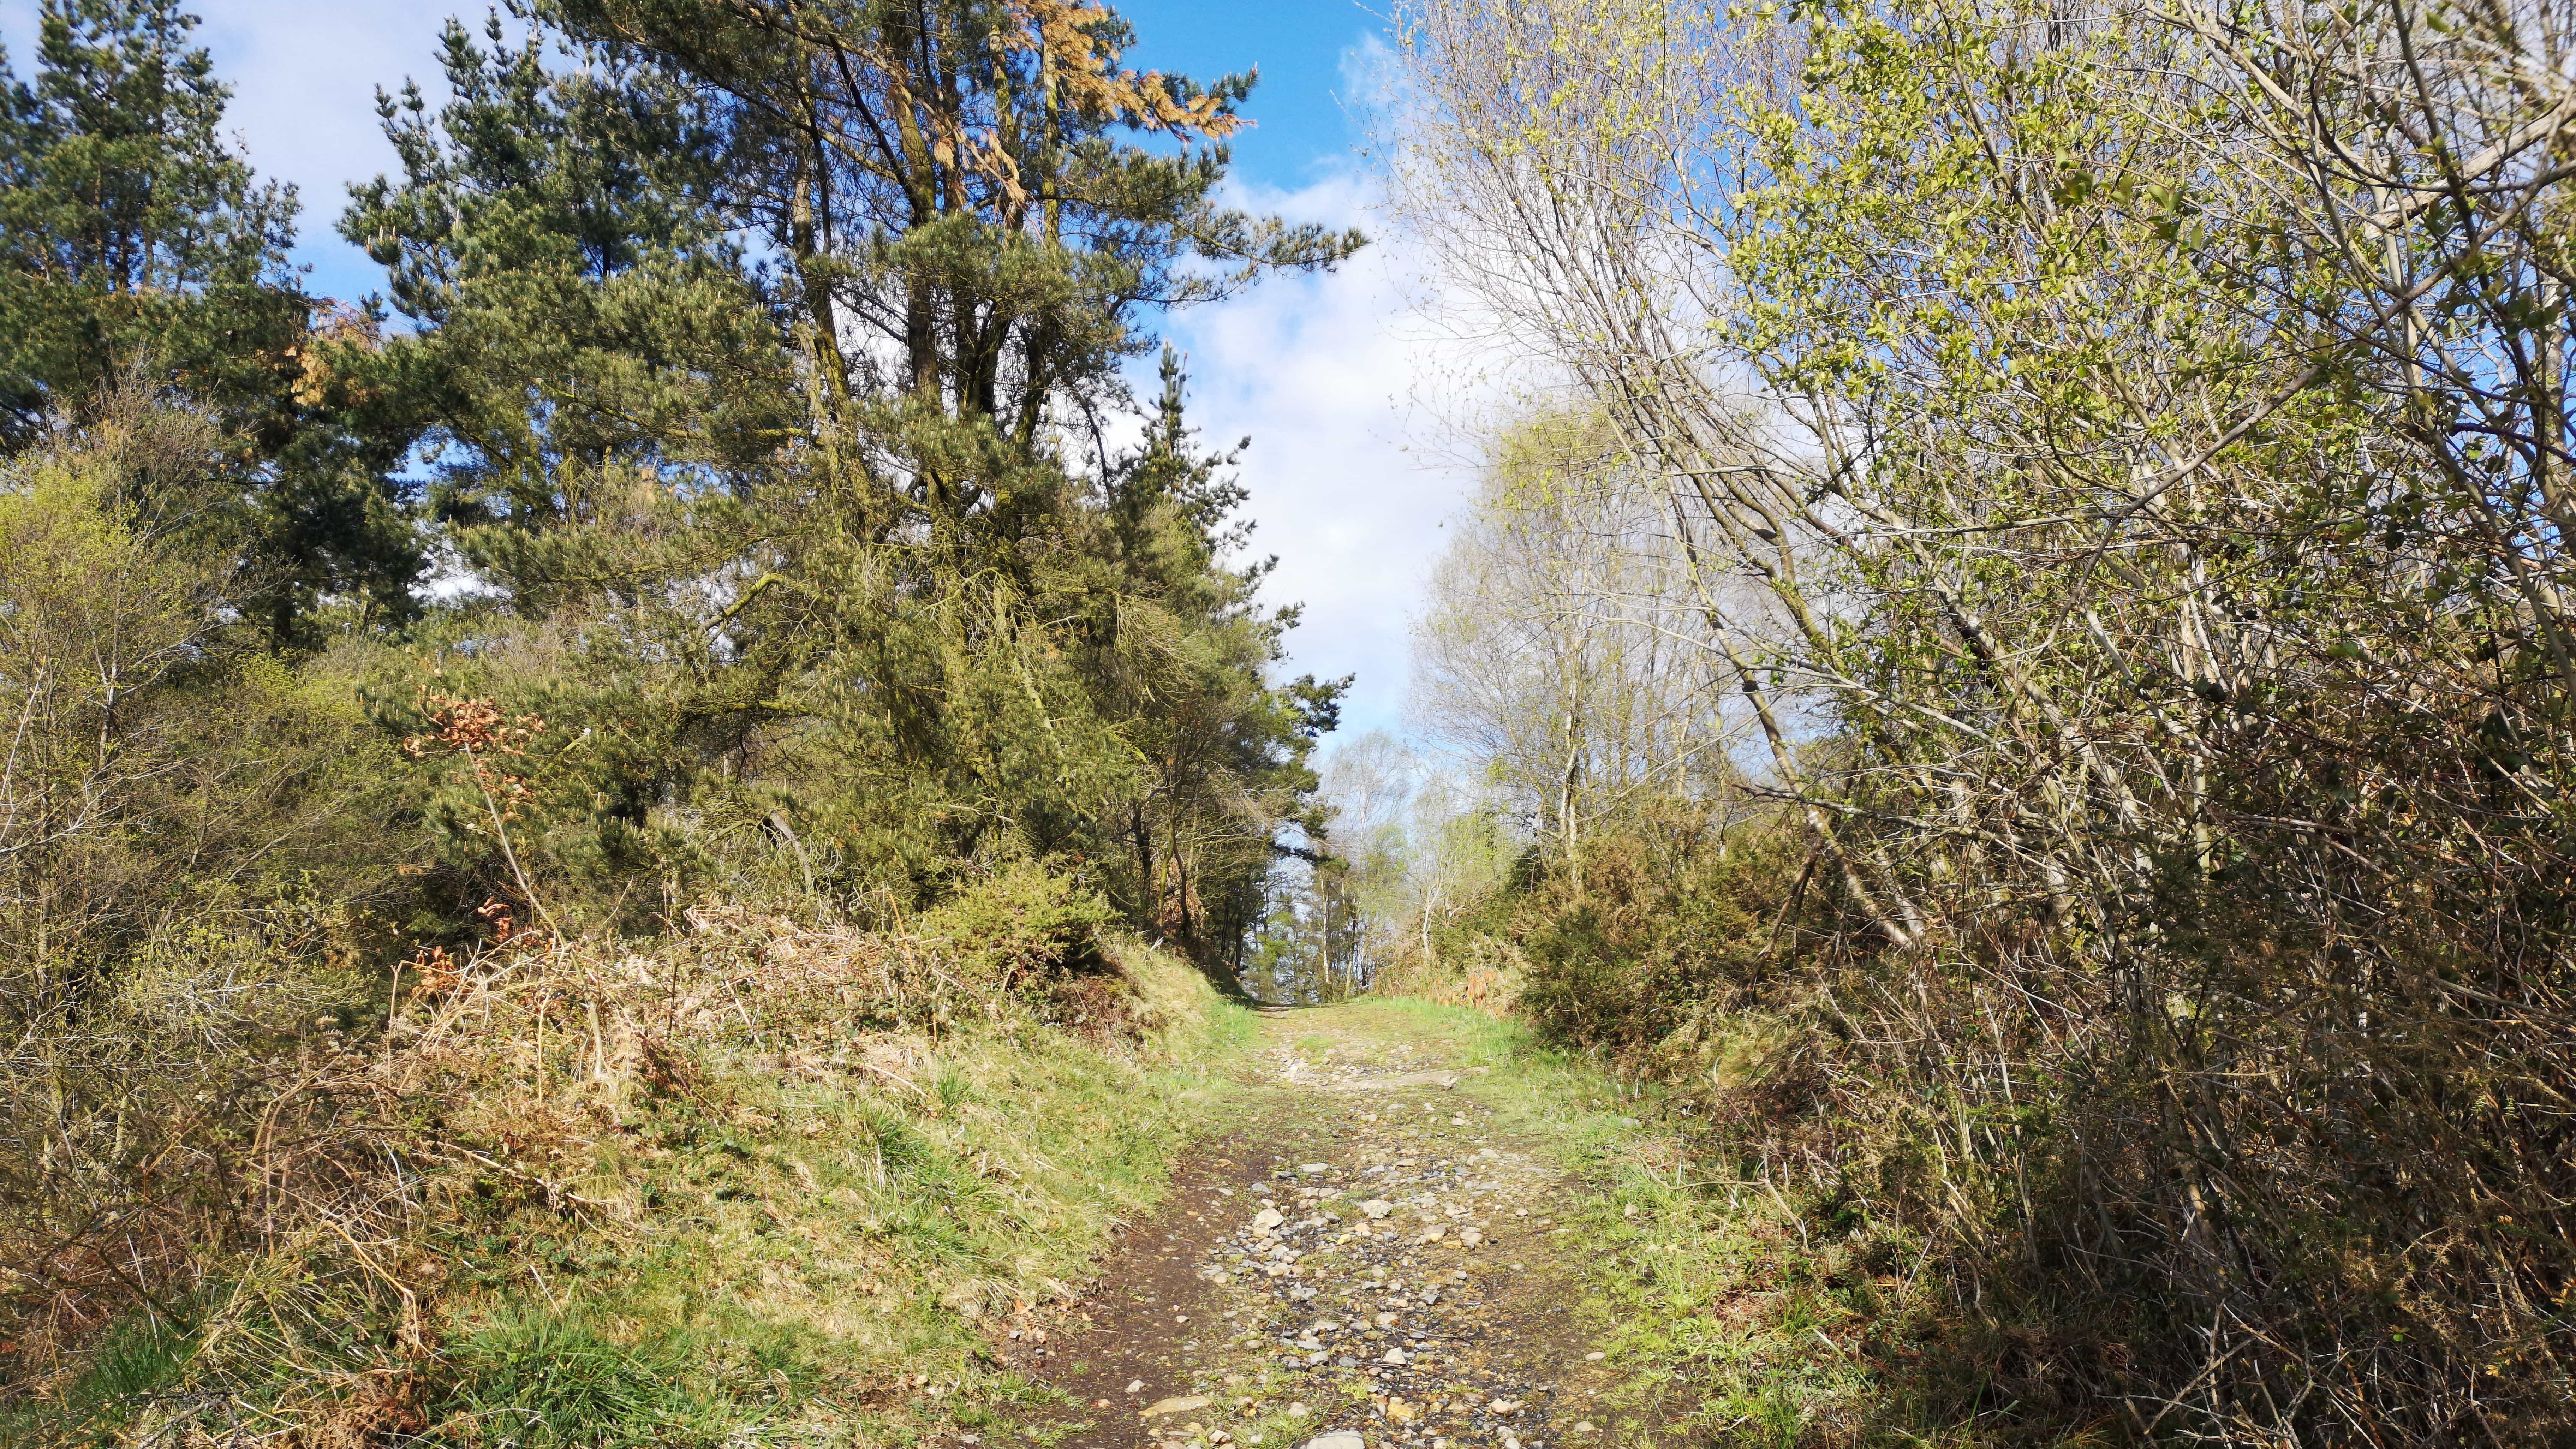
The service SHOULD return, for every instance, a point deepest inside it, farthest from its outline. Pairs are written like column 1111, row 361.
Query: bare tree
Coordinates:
column 1557, row 656
column 2144, row 434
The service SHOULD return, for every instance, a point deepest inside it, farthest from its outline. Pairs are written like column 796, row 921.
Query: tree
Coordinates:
column 830, row 518
column 164, row 771
column 133, row 229
column 2144, row 430
column 584, row 313
column 1557, row 655
column 135, row 243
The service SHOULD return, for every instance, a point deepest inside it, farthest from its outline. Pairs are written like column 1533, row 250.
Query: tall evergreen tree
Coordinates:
column 138, row 247
column 128, row 226
column 582, row 306
column 921, row 614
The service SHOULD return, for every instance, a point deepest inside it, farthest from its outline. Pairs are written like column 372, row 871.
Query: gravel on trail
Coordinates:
column 1366, row 1256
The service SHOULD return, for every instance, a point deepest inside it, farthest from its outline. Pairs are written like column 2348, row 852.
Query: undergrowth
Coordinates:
column 760, row 1182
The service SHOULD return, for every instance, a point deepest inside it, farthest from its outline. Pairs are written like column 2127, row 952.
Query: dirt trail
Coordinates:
column 1365, row 1253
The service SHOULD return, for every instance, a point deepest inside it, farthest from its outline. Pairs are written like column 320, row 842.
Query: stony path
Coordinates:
column 1366, row 1255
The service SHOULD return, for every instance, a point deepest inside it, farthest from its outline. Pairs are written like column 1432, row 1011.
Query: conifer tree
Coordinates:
column 775, row 348
column 136, row 245
column 581, row 306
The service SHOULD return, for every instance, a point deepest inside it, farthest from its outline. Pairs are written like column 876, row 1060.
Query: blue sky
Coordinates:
column 1301, row 132
column 305, row 72
column 1328, row 376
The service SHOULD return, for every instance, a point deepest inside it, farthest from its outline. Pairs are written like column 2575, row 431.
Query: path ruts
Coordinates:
column 1364, row 1255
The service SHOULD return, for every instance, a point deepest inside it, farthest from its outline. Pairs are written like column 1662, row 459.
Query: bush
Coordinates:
column 1665, row 932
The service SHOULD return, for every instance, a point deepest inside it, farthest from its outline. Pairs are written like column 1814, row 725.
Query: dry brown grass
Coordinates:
column 320, row 1222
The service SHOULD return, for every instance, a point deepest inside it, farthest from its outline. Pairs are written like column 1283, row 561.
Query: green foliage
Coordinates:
column 820, row 709
column 794, row 615
column 132, row 229
column 555, row 228
column 138, row 250
column 1026, row 921
column 164, row 766
column 1668, row 930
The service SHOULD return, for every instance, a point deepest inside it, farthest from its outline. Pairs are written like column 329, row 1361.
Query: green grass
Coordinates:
column 140, row 1359
column 818, row 1241
column 543, row 1379
column 786, row 1251
column 1728, row 1326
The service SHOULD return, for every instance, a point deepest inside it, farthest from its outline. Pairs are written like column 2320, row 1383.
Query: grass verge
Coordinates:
column 721, row 1194
column 1737, row 1314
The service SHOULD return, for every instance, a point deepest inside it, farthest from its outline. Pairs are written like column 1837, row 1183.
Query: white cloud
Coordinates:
column 1340, row 390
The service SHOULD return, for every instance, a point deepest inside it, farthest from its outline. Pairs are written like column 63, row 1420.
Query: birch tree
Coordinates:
column 2143, row 429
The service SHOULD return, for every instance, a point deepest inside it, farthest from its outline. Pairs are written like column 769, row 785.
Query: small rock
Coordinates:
column 1338, row 1439
column 1584, row 1426
column 1394, row 1356
column 1376, row 1207
column 1266, row 1219
column 1471, row 1236
column 1296, row 1411
column 1173, row 1406
column 1134, row 1385
column 1594, row 1357
column 1314, row 1169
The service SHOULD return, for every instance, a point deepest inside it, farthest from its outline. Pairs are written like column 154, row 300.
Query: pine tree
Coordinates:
column 137, row 248
column 918, row 619
column 129, row 228
column 583, row 310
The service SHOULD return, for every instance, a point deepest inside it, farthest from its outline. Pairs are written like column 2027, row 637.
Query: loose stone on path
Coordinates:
column 1360, row 1285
